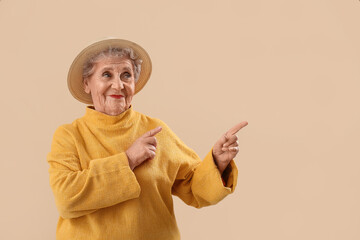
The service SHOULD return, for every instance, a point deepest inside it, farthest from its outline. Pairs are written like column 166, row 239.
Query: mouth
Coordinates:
column 116, row 96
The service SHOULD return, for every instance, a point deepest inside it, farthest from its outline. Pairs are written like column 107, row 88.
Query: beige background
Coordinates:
column 290, row 68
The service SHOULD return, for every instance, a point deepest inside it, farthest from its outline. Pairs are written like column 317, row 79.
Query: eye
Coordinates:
column 106, row 74
column 126, row 75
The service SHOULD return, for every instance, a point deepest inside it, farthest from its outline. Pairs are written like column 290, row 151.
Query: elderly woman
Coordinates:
column 113, row 171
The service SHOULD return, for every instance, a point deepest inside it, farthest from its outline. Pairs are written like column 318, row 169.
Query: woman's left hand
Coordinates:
column 226, row 148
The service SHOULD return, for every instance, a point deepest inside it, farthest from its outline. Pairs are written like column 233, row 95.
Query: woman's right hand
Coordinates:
column 143, row 148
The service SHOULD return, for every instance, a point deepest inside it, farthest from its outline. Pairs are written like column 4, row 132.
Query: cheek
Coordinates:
column 98, row 90
column 100, row 87
column 130, row 90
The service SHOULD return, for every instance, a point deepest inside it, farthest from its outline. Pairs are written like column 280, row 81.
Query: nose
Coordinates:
column 117, row 83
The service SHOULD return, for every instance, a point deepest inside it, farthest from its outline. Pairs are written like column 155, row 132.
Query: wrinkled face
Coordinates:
column 112, row 85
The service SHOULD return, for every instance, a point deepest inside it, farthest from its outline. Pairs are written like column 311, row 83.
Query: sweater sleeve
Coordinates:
column 198, row 183
column 106, row 182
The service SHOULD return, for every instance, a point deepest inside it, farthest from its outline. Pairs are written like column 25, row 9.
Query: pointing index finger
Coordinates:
column 152, row 132
column 236, row 128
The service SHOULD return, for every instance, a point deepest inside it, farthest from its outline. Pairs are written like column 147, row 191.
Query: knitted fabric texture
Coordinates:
column 98, row 196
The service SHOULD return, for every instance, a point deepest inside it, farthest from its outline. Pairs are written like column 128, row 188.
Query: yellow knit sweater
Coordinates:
column 98, row 196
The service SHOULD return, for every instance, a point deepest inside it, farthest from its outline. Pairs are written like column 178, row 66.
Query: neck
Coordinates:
column 98, row 118
column 110, row 113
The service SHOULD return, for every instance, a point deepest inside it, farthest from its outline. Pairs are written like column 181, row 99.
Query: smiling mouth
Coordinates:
column 116, row 96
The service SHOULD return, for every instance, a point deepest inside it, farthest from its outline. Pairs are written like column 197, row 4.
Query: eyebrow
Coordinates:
column 110, row 68
column 127, row 69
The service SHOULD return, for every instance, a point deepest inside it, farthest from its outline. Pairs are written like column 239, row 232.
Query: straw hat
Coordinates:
column 75, row 79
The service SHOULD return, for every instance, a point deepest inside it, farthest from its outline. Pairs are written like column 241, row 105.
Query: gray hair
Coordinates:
column 88, row 68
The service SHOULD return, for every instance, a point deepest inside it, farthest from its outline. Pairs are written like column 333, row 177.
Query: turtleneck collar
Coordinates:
column 100, row 119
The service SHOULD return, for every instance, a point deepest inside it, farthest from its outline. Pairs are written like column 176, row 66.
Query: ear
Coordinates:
column 86, row 85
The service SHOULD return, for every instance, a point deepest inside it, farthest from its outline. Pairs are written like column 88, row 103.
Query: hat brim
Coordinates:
column 75, row 79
